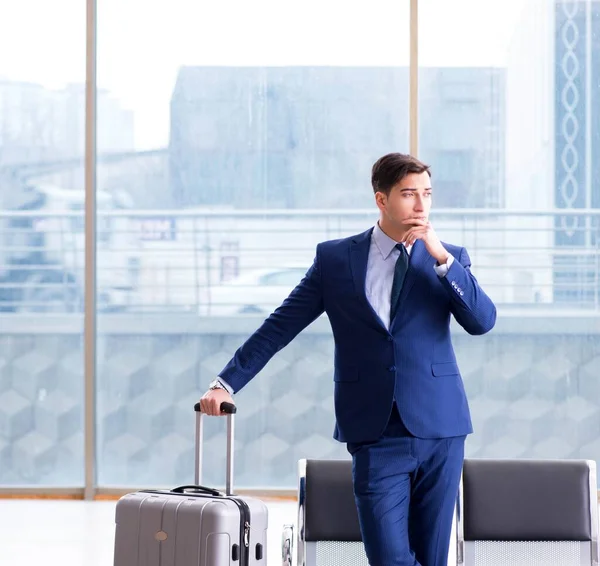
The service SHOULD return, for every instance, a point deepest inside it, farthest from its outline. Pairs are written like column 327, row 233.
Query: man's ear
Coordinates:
column 380, row 200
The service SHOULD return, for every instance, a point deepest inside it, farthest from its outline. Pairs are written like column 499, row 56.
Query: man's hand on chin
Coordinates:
column 423, row 230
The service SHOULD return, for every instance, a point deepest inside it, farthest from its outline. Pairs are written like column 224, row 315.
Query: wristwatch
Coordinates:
column 216, row 384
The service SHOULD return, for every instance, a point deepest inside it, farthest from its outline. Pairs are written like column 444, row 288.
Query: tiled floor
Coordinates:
column 79, row 533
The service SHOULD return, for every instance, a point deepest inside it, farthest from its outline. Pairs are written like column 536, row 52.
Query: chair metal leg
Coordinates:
column 287, row 545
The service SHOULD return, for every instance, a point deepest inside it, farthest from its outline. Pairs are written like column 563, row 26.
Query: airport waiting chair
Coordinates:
column 327, row 532
column 527, row 513
column 509, row 513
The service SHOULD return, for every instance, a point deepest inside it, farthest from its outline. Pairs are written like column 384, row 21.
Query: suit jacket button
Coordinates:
column 390, row 339
column 392, row 368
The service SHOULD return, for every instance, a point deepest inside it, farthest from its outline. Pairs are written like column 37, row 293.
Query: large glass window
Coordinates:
column 245, row 136
column 509, row 121
column 42, row 74
column 234, row 136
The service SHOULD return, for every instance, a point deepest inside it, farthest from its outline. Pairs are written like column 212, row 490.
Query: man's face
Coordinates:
column 410, row 198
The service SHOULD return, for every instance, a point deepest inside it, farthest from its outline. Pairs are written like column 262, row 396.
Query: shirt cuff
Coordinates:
column 220, row 381
column 442, row 270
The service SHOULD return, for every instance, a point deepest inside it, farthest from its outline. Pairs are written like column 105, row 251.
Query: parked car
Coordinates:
column 255, row 292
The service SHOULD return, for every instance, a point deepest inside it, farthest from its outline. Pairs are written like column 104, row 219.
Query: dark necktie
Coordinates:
column 399, row 274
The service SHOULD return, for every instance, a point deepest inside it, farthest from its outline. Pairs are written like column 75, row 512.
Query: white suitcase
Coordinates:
column 192, row 525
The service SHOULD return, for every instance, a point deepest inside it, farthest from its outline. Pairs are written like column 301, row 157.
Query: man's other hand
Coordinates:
column 423, row 230
column 211, row 402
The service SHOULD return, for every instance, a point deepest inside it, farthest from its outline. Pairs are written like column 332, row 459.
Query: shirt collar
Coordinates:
column 384, row 243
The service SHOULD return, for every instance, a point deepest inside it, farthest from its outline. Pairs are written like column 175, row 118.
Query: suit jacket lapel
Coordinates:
column 359, row 256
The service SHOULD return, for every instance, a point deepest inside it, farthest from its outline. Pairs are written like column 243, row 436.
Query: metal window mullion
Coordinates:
column 414, row 79
column 589, row 59
column 90, row 255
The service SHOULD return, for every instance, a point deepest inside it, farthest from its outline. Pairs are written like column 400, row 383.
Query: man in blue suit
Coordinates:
column 400, row 404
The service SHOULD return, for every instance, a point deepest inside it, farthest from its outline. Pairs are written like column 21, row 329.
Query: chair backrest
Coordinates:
column 328, row 528
column 527, row 512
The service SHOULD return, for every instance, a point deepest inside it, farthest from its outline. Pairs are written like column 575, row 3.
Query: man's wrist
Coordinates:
column 442, row 270
column 442, row 258
column 219, row 383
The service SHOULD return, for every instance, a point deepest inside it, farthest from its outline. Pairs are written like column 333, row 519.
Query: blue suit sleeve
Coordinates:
column 302, row 307
column 470, row 305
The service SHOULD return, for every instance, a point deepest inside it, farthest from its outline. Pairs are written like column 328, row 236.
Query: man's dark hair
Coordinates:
column 390, row 169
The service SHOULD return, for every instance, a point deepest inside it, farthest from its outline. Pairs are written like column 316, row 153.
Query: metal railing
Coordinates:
column 231, row 262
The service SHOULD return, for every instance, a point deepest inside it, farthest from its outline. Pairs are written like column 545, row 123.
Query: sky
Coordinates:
column 142, row 43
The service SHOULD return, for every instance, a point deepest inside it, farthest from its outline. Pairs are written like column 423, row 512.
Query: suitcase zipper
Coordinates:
column 246, row 534
column 244, row 531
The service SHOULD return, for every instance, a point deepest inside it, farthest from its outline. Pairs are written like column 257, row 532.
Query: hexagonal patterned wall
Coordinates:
column 530, row 395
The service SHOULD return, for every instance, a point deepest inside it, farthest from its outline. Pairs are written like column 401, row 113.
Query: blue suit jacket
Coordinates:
column 413, row 363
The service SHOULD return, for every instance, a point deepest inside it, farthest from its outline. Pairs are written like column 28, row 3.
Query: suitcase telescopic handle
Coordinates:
column 229, row 409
